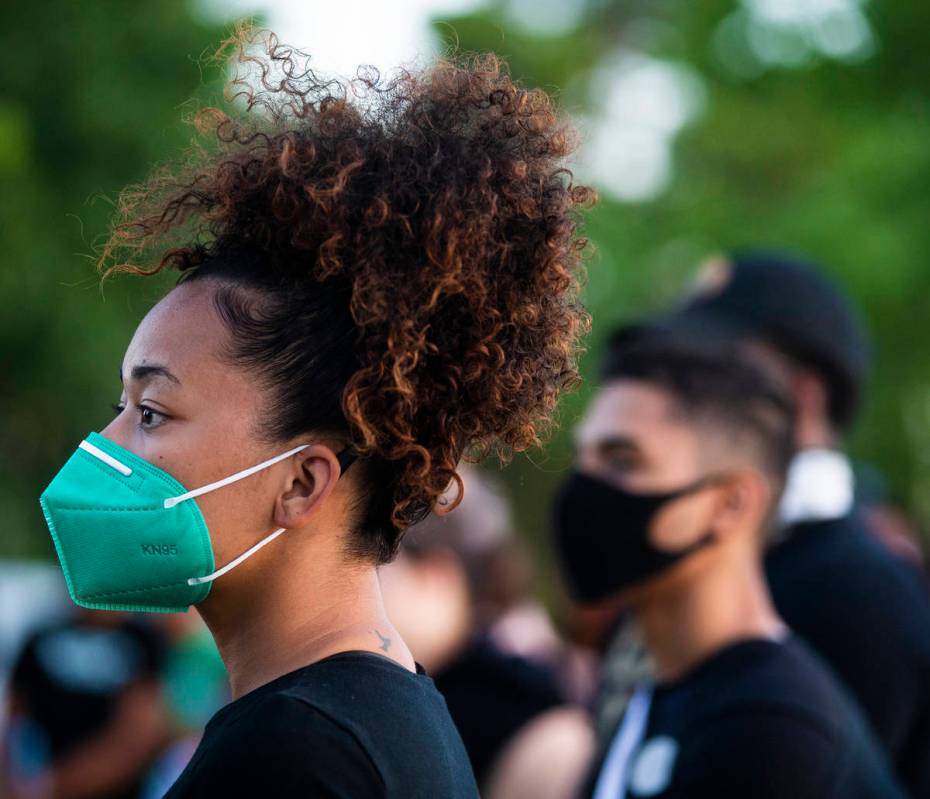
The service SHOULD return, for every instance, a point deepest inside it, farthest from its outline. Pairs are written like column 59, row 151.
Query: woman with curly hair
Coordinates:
column 376, row 280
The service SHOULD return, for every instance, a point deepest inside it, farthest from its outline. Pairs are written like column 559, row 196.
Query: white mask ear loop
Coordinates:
column 170, row 502
column 235, row 562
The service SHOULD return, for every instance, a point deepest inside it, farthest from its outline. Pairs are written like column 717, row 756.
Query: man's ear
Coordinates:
column 310, row 481
column 744, row 501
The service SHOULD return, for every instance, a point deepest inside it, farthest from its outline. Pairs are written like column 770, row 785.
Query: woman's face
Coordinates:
column 187, row 410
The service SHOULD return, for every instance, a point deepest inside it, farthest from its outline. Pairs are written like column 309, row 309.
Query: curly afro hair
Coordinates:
column 397, row 261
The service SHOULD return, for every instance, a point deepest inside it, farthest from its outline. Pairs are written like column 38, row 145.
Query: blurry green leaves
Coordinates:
column 93, row 96
column 813, row 135
column 826, row 153
column 15, row 139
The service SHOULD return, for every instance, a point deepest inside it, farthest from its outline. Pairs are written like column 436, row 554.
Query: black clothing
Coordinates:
column 759, row 719
column 492, row 695
column 68, row 680
column 867, row 614
column 352, row 725
column 790, row 304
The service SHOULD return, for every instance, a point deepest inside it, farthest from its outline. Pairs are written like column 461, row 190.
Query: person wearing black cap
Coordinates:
column 680, row 461
column 864, row 610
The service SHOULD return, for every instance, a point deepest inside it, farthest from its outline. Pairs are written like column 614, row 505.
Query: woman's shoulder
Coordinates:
column 356, row 724
column 382, row 704
column 279, row 745
column 397, row 717
column 327, row 697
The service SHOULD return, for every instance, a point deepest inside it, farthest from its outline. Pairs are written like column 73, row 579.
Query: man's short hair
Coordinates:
column 716, row 387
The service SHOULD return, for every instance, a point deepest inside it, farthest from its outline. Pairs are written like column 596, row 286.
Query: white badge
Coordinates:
column 653, row 767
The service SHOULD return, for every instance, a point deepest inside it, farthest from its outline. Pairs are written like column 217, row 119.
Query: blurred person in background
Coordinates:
column 195, row 686
column 834, row 581
column 375, row 280
column 680, row 462
column 33, row 594
column 888, row 519
column 87, row 714
column 459, row 594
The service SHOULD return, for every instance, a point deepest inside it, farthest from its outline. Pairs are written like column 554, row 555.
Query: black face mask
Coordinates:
column 602, row 535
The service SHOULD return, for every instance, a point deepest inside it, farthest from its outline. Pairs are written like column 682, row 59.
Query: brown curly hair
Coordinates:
column 402, row 252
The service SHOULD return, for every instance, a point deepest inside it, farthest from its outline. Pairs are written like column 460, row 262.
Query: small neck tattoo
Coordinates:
column 385, row 641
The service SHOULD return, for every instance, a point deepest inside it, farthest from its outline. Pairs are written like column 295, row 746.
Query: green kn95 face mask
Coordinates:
column 131, row 537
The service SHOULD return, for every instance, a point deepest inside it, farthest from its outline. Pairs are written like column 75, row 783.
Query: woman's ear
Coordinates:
column 307, row 485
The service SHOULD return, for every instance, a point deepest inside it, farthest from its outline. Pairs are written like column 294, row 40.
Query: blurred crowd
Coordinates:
column 731, row 579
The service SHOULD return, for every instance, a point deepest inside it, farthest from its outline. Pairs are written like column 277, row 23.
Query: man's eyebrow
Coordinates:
column 608, row 443
column 617, row 442
column 143, row 372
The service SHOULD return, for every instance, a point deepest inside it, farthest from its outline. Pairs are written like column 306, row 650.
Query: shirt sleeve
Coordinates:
column 760, row 754
column 286, row 748
column 914, row 763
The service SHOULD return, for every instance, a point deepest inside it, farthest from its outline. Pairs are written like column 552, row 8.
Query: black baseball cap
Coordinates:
column 787, row 303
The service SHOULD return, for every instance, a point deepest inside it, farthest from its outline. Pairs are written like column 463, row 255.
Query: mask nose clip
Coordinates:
column 109, row 460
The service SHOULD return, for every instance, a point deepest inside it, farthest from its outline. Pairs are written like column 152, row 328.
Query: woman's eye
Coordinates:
column 149, row 419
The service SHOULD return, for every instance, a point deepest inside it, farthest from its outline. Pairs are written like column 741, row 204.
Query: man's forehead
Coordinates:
column 626, row 408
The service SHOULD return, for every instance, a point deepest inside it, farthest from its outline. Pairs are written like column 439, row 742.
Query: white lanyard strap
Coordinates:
column 172, row 501
column 612, row 781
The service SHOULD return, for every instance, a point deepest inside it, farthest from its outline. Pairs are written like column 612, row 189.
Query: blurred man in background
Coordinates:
column 862, row 608
column 459, row 593
column 681, row 459
column 835, row 579
column 87, row 717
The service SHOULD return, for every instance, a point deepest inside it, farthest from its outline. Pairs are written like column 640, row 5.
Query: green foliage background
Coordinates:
column 93, row 96
column 831, row 158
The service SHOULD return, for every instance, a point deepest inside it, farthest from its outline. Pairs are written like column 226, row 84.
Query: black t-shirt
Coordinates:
column 353, row 725
column 759, row 719
column 491, row 696
column 867, row 614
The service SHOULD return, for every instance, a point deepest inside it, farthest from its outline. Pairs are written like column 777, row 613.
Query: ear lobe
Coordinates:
column 745, row 501
column 735, row 499
column 729, row 508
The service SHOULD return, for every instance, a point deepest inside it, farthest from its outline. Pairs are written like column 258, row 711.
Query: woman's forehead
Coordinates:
column 182, row 333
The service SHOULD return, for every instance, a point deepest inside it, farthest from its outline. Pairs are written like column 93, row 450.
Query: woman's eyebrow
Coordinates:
column 145, row 372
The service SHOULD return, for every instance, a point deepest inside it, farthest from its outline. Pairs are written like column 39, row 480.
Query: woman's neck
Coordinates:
column 296, row 615
column 688, row 623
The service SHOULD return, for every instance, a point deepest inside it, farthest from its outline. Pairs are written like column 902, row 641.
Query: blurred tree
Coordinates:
column 92, row 97
column 813, row 135
column 805, row 137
